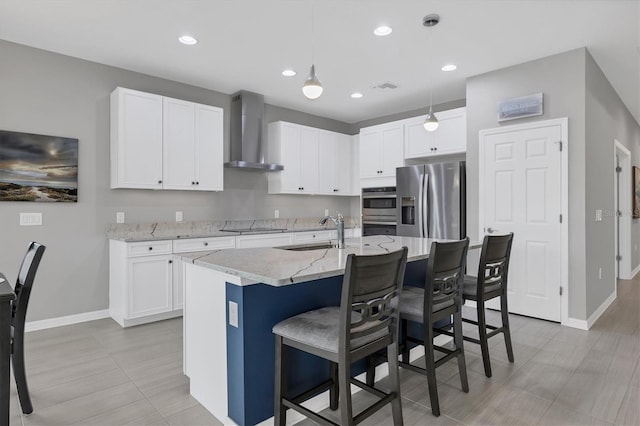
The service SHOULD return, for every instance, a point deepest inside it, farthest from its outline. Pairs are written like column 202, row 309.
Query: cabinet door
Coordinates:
column 309, row 160
column 271, row 240
column 327, row 164
column 136, row 139
column 150, row 285
column 417, row 141
column 343, row 156
column 178, row 285
column 452, row 132
column 290, row 157
column 370, row 154
column 209, row 154
column 392, row 149
column 179, row 144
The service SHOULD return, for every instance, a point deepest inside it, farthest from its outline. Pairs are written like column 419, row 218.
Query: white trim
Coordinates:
column 625, row 208
column 66, row 320
column 576, row 323
column 635, row 272
column 564, row 201
column 598, row 312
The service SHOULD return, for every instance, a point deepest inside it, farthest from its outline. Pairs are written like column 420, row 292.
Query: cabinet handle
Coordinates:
column 150, row 248
column 171, row 261
column 335, row 190
column 206, row 243
column 159, row 181
column 193, row 183
column 197, row 183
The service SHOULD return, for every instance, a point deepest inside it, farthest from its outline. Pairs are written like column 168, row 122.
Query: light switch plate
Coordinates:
column 178, row 216
column 30, row 219
column 233, row 314
column 276, row 214
column 326, row 212
column 598, row 215
column 119, row 217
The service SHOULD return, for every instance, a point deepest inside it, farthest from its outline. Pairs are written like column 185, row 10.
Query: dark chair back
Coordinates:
column 370, row 294
column 445, row 274
column 494, row 264
column 24, row 283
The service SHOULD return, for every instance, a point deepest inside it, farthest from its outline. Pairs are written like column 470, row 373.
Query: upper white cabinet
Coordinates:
column 136, row 139
column 449, row 138
column 381, row 150
column 315, row 161
column 164, row 143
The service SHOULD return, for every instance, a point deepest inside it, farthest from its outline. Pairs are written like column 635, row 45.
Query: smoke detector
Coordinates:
column 386, row 85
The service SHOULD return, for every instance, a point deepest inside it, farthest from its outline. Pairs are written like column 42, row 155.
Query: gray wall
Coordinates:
column 607, row 119
column 51, row 94
column 562, row 80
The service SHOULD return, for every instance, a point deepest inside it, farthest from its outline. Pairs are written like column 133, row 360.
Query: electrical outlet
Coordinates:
column 598, row 215
column 233, row 314
column 178, row 216
column 276, row 213
column 599, row 273
column 120, row 217
column 326, row 212
column 30, row 219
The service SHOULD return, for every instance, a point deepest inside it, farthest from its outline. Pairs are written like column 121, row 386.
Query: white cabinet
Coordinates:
column 335, row 162
column 136, row 139
column 449, row 138
column 313, row 236
column 141, row 282
column 263, row 240
column 381, row 150
column 165, row 143
column 296, row 148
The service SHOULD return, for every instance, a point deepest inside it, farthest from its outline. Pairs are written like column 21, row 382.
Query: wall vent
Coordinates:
column 386, row 85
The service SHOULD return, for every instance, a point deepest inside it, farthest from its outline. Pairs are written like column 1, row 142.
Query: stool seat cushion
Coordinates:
column 320, row 329
column 471, row 285
column 412, row 302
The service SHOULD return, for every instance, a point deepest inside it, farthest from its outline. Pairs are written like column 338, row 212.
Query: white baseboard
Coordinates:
column 576, row 323
column 598, row 312
column 67, row 320
column 634, row 272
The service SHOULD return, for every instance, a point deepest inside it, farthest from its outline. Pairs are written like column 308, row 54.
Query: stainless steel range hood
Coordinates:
column 247, row 150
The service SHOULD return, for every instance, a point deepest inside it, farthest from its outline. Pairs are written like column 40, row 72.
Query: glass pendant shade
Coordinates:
column 431, row 122
column 312, row 88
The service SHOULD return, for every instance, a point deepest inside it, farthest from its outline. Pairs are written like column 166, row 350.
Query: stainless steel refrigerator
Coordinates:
column 431, row 200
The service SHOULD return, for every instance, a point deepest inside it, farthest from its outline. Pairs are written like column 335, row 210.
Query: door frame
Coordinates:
column 625, row 208
column 564, row 201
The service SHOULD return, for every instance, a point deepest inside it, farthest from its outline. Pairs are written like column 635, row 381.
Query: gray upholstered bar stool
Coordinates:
column 491, row 282
column 440, row 299
column 365, row 322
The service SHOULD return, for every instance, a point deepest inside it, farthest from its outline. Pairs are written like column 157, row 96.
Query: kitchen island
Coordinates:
column 234, row 297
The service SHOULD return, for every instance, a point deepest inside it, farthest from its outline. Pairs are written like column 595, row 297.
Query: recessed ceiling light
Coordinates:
column 187, row 39
column 288, row 73
column 356, row 95
column 382, row 30
column 449, row 67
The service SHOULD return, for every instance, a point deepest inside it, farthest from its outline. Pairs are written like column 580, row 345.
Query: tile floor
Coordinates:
column 96, row 373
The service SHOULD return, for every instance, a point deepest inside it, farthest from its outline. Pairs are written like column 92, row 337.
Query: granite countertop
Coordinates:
column 222, row 228
column 278, row 267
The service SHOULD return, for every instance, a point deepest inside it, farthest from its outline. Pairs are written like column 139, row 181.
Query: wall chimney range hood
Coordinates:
column 247, row 151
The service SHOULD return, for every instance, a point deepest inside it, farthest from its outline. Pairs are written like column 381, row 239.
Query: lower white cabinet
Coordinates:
column 263, row 240
column 312, row 236
column 141, row 282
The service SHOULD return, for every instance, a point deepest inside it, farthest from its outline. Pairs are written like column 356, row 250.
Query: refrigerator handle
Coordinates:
column 424, row 217
column 419, row 207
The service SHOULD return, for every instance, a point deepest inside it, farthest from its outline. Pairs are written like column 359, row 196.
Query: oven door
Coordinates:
column 378, row 228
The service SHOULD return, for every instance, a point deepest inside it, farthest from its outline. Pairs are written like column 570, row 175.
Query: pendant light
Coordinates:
column 312, row 87
column 431, row 122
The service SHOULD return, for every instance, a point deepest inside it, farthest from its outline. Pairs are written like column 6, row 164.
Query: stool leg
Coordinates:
column 429, row 358
column 371, row 371
column 403, row 341
column 394, row 383
column 484, row 341
column 505, row 324
column 279, row 410
column 334, row 390
column 344, row 378
column 459, row 342
column 17, row 358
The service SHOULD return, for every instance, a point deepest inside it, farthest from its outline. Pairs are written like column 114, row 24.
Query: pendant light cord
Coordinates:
column 430, row 70
column 313, row 33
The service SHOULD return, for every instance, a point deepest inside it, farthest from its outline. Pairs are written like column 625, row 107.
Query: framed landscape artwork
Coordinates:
column 38, row 168
column 636, row 192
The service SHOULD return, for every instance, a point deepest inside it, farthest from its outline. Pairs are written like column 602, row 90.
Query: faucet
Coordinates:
column 339, row 222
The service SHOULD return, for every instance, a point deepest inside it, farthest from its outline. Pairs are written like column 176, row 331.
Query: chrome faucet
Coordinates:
column 339, row 222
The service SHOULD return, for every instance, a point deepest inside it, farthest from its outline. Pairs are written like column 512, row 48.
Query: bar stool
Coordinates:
column 490, row 283
column 366, row 321
column 441, row 300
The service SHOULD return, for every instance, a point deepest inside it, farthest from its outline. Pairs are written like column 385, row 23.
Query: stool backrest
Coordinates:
column 24, row 283
column 494, row 263
column 370, row 294
column 445, row 273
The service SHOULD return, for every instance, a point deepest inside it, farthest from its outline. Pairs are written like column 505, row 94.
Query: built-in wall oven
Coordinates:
column 379, row 211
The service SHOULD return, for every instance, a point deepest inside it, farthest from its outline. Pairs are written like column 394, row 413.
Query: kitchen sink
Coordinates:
column 306, row 247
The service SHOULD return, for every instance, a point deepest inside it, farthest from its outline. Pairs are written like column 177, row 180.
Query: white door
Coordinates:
column 370, row 154
column 309, row 160
column 392, row 150
column 452, row 132
column 327, row 154
column 343, row 163
column 209, row 146
column 150, row 285
column 178, row 144
column 522, row 184
column 290, row 156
